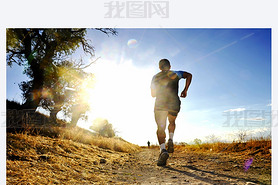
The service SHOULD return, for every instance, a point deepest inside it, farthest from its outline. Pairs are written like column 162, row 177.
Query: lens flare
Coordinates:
column 86, row 90
column 132, row 43
column 247, row 164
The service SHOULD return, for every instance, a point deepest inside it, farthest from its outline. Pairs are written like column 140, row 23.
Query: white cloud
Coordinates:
column 253, row 119
column 256, row 119
column 235, row 110
column 231, row 136
column 259, row 131
column 205, row 121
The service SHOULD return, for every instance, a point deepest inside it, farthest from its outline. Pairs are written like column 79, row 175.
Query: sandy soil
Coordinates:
column 188, row 168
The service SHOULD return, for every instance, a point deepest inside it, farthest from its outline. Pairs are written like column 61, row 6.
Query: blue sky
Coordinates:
column 231, row 71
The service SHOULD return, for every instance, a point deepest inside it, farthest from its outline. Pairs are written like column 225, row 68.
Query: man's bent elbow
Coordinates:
column 187, row 75
column 190, row 75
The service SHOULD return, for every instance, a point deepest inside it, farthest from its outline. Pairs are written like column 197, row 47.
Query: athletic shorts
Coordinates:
column 172, row 113
column 170, row 105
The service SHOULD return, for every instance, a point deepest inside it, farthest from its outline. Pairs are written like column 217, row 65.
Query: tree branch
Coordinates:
column 89, row 64
column 108, row 31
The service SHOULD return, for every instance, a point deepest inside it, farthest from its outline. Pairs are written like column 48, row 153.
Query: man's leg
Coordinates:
column 161, row 118
column 171, row 128
column 172, row 123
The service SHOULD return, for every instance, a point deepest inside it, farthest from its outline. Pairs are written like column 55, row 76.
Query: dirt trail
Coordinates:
column 188, row 168
column 44, row 160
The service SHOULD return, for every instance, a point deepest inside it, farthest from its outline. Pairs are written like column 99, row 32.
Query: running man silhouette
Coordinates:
column 164, row 87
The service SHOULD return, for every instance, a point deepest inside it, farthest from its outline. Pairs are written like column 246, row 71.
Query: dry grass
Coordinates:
column 80, row 135
column 259, row 147
column 57, row 155
column 86, row 137
column 44, row 160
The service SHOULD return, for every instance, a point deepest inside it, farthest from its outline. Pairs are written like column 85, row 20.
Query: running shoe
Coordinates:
column 163, row 156
column 170, row 146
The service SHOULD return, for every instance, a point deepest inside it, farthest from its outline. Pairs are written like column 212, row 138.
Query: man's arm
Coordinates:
column 188, row 77
column 153, row 91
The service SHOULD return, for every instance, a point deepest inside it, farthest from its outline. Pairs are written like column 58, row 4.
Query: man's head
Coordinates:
column 164, row 65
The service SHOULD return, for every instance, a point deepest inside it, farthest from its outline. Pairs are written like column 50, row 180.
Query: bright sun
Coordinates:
column 120, row 94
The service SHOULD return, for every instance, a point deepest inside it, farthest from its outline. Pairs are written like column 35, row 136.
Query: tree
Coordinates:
column 197, row 142
column 212, row 138
column 103, row 127
column 242, row 135
column 46, row 56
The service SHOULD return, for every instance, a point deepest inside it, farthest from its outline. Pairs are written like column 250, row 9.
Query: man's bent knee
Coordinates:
column 160, row 132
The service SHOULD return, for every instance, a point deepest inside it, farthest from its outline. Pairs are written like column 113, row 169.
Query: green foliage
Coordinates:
column 197, row 141
column 103, row 127
column 46, row 57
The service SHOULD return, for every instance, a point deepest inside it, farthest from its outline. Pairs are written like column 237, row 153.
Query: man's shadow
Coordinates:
column 207, row 179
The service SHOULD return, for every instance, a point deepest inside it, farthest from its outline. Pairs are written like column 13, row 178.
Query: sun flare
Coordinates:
column 120, row 93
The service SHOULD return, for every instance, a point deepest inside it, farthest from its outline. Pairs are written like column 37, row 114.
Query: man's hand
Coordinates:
column 183, row 93
column 188, row 77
